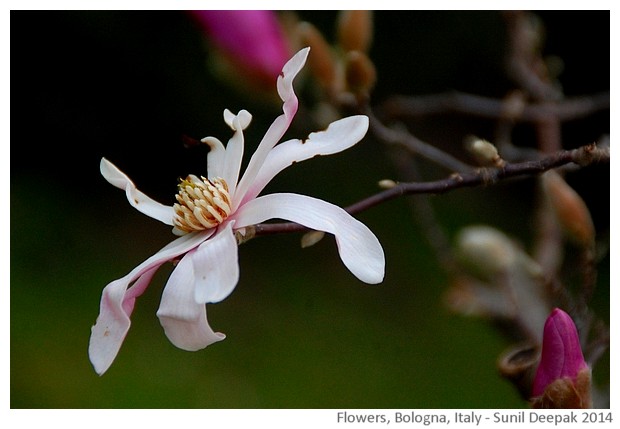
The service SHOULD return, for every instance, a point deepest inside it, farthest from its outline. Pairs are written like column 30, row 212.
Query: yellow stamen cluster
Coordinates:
column 202, row 203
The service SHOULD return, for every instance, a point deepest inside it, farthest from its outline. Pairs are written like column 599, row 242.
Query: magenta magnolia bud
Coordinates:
column 562, row 379
column 251, row 39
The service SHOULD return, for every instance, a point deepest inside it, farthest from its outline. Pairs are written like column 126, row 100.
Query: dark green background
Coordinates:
column 302, row 332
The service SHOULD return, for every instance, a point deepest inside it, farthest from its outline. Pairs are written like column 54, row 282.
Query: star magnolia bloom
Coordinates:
column 208, row 213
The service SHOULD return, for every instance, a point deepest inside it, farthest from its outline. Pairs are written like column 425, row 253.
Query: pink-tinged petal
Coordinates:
column 561, row 352
column 359, row 249
column 118, row 298
column 216, row 266
column 340, row 135
column 284, row 84
column 113, row 323
column 137, row 199
column 183, row 319
column 252, row 39
column 277, row 128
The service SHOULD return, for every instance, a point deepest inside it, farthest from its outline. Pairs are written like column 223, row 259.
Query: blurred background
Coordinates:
column 302, row 332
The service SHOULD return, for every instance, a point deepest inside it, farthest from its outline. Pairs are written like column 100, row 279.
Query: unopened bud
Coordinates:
column 563, row 379
column 486, row 250
column 485, row 152
column 593, row 153
column 311, row 238
column 570, row 209
column 321, row 62
column 245, row 234
column 516, row 279
column 565, row 393
column 360, row 73
column 355, row 29
column 252, row 41
column 387, row 183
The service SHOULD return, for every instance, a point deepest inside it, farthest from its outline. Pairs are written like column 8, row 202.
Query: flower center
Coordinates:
column 202, row 203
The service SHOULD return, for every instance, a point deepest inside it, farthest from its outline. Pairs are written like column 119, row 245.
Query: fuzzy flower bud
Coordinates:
column 311, row 238
column 571, row 211
column 485, row 152
column 387, row 184
column 486, row 250
column 360, row 72
column 355, row 29
column 563, row 378
column 322, row 62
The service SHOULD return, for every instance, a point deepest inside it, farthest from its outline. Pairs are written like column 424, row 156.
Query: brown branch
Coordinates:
column 582, row 156
column 492, row 108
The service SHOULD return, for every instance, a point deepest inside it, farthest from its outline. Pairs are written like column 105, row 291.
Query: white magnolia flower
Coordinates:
column 210, row 210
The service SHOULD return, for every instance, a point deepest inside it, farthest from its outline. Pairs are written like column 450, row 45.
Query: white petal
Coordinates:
column 359, row 249
column 215, row 157
column 137, row 199
column 340, row 135
column 278, row 127
column 228, row 118
column 216, row 266
column 183, row 319
column 226, row 162
column 117, row 301
column 243, row 116
column 233, row 157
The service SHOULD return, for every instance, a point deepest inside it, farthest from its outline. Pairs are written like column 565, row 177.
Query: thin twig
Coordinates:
column 399, row 107
column 583, row 156
column 415, row 145
column 525, row 62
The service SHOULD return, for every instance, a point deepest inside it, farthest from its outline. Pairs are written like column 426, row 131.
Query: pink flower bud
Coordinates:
column 561, row 358
column 251, row 39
